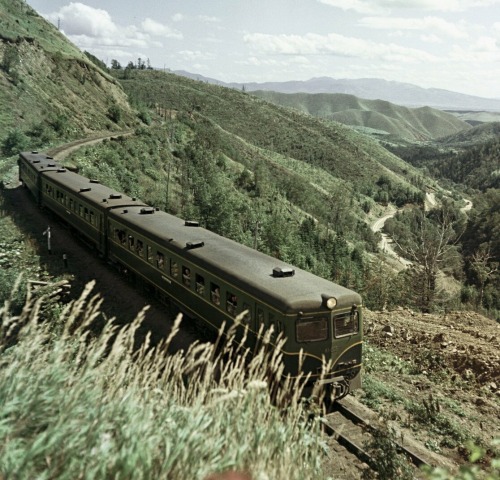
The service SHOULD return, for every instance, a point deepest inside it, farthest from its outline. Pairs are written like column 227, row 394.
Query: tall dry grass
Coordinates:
column 78, row 405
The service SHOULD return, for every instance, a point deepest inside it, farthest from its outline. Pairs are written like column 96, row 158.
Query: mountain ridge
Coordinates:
column 400, row 93
column 380, row 117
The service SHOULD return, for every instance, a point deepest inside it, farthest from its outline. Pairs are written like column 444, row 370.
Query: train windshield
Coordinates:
column 312, row 329
column 346, row 323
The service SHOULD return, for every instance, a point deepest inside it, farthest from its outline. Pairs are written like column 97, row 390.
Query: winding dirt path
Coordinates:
column 386, row 245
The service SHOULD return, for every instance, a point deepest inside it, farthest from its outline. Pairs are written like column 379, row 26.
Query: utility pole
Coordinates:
column 47, row 232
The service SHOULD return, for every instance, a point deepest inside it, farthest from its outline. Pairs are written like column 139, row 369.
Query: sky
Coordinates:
column 449, row 44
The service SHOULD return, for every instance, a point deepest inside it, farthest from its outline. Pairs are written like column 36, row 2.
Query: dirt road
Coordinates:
column 386, row 245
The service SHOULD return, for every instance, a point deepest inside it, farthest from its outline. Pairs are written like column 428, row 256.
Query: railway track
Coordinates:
column 352, row 431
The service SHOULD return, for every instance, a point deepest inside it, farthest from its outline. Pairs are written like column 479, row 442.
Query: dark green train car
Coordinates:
column 216, row 279
column 31, row 165
column 80, row 202
column 210, row 277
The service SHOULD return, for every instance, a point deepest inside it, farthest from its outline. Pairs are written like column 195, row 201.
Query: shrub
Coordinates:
column 15, row 142
column 114, row 113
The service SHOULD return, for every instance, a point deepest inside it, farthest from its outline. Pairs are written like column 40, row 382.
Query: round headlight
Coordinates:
column 331, row 303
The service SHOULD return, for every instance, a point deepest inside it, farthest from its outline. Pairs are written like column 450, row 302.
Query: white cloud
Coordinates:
column 80, row 19
column 90, row 27
column 432, row 24
column 193, row 55
column 336, row 45
column 158, row 29
column 431, row 38
column 207, row 19
column 359, row 6
column 178, row 17
column 386, row 6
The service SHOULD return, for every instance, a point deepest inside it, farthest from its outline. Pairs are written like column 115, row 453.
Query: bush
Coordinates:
column 15, row 142
column 114, row 113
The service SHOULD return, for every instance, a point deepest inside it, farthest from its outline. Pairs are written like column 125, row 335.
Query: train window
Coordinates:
column 215, row 293
column 247, row 315
column 71, row 206
column 92, row 218
column 121, row 236
column 174, row 269
column 150, row 255
column 272, row 325
column 346, row 323
column 260, row 315
column 231, row 303
column 139, row 248
column 131, row 242
column 80, row 210
column 86, row 213
column 186, row 276
column 160, row 260
column 312, row 330
column 199, row 284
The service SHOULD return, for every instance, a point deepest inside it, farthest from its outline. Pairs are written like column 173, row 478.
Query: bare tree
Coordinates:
column 484, row 268
column 431, row 247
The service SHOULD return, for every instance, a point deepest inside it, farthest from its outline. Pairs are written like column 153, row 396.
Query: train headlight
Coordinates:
column 329, row 302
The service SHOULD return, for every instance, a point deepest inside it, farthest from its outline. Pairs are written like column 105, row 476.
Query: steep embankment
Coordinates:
column 47, row 86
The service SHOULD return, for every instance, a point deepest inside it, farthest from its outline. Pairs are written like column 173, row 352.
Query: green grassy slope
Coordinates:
column 47, row 83
column 413, row 124
column 279, row 131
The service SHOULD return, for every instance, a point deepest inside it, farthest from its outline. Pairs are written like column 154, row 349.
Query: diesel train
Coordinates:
column 209, row 277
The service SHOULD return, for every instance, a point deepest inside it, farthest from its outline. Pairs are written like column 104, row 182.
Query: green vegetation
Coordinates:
column 389, row 462
column 439, row 416
column 45, row 77
column 378, row 118
column 94, row 406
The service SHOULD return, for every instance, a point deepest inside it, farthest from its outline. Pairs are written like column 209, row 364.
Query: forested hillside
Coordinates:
column 374, row 116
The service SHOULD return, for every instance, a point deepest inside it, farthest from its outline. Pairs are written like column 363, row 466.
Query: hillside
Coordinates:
column 326, row 145
column 411, row 124
column 477, row 135
column 48, row 88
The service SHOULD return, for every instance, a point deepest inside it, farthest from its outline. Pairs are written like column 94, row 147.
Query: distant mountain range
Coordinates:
column 372, row 89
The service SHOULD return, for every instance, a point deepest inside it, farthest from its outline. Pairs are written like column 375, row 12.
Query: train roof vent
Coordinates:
column 147, row 210
column 49, row 158
column 115, row 196
column 34, row 151
column 191, row 223
column 36, row 161
column 283, row 272
column 85, row 189
column 51, row 164
column 195, row 244
column 61, row 170
column 93, row 180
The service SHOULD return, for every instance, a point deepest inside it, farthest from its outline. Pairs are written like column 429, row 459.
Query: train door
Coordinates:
column 102, row 236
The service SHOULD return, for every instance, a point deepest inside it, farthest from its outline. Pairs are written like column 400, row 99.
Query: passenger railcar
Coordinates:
column 210, row 277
